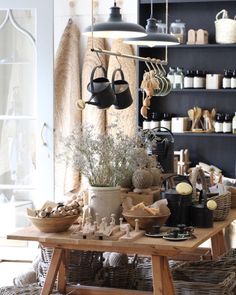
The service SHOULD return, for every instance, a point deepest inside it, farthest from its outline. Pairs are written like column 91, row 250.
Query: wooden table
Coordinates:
column 158, row 249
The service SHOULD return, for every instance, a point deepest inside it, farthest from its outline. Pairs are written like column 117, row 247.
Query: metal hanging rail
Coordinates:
column 139, row 58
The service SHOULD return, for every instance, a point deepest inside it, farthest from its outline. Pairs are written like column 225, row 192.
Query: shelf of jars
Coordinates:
column 189, row 133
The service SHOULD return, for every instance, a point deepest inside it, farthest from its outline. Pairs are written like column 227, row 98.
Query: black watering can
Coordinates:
column 161, row 144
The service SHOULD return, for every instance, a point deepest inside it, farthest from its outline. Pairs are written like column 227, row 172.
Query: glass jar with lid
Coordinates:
column 161, row 27
column 178, row 29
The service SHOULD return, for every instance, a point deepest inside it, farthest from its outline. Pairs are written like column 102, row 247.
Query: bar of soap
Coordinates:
column 184, row 188
column 211, row 205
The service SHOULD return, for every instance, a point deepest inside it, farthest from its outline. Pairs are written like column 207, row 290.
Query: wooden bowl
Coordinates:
column 145, row 222
column 53, row 224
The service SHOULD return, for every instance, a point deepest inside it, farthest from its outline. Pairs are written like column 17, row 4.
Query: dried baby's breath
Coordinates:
column 105, row 159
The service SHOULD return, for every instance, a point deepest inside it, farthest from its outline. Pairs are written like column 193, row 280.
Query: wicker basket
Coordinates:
column 223, row 206
column 195, row 282
column 232, row 190
column 225, row 28
column 118, row 276
column 229, row 254
column 222, row 264
column 82, row 266
column 143, row 273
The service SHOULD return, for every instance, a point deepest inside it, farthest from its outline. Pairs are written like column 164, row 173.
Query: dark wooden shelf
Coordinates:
column 199, row 134
column 196, row 46
column 204, row 90
column 181, row 1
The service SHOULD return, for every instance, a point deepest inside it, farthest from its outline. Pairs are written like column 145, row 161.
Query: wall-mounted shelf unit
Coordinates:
column 212, row 58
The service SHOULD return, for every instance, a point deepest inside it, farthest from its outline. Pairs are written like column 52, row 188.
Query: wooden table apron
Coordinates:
column 158, row 249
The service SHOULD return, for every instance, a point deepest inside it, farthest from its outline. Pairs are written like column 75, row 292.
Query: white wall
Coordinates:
column 80, row 12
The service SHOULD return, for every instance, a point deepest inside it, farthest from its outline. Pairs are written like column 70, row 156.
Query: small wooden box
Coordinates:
column 147, row 198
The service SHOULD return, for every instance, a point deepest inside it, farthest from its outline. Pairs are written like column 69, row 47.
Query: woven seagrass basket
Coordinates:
column 203, row 282
column 228, row 264
column 82, row 266
column 118, row 276
column 223, row 206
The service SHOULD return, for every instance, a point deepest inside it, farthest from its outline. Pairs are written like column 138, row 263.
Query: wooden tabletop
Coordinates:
column 143, row 245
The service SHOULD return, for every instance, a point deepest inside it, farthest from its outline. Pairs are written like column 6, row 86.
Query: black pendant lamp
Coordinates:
column 153, row 38
column 115, row 27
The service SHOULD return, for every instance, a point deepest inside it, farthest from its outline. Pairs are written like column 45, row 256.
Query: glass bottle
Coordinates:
column 171, row 76
column 219, row 123
column 226, row 82
column 234, row 124
column 199, row 80
column 179, row 78
column 233, row 80
column 161, row 27
column 178, row 29
column 166, row 121
column 188, row 79
column 227, row 124
column 155, row 121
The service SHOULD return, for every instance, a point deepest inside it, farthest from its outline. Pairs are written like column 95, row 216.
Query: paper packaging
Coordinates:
column 213, row 81
column 180, row 124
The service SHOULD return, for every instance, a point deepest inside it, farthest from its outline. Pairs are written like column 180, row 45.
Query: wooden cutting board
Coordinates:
column 126, row 120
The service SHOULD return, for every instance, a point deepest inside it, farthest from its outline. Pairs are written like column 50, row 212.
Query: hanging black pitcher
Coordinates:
column 161, row 144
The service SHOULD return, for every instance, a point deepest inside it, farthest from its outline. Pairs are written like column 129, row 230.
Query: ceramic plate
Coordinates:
column 179, row 238
column 159, row 235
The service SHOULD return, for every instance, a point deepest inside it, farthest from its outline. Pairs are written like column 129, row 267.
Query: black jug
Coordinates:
column 103, row 95
column 122, row 91
column 161, row 144
column 201, row 215
column 180, row 206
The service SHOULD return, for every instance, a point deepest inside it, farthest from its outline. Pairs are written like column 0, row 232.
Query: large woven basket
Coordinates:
column 143, row 273
column 222, row 264
column 203, row 282
column 118, row 276
column 223, row 206
column 82, row 266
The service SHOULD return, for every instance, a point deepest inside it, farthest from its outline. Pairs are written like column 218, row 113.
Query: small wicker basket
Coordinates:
column 225, row 28
column 223, row 206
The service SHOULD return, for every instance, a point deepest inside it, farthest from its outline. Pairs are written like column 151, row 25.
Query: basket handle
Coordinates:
column 224, row 14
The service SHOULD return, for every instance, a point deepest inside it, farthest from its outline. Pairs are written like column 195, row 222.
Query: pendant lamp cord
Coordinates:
column 92, row 22
column 166, row 51
column 151, row 15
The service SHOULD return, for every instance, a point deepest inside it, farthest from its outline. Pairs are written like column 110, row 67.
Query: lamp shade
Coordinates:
column 153, row 38
column 115, row 27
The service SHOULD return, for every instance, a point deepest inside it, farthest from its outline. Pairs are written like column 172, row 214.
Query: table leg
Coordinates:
column 162, row 278
column 218, row 244
column 52, row 271
column 62, row 273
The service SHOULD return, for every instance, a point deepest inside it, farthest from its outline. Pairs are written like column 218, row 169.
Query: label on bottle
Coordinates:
column 146, row 124
column 171, row 79
column 166, row 124
column 154, row 124
column 234, row 125
column 226, row 83
column 199, row 82
column 188, row 82
column 227, row 127
column 178, row 82
column 218, row 127
column 233, row 82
